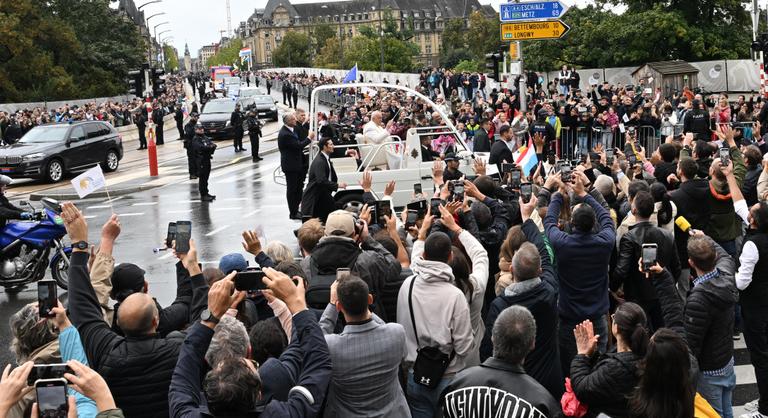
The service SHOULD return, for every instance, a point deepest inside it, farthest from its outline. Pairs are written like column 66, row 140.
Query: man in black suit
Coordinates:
column 291, row 155
column 236, row 121
column 317, row 201
column 427, row 153
column 500, row 152
column 481, row 141
column 141, row 124
column 157, row 117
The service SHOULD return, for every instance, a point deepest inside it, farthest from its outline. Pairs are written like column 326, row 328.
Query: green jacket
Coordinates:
column 111, row 413
column 724, row 225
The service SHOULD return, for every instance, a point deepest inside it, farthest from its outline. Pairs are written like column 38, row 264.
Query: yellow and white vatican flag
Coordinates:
column 89, row 182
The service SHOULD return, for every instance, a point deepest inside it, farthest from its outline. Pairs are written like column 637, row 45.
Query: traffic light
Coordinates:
column 492, row 61
column 136, row 82
column 761, row 45
column 158, row 83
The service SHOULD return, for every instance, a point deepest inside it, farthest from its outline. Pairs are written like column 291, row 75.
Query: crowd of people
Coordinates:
column 14, row 125
column 611, row 284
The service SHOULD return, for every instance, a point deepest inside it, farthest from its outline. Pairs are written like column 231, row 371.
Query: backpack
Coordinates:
column 318, row 293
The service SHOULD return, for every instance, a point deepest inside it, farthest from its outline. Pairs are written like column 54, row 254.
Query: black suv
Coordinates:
column 50, row 151
column 215, row 118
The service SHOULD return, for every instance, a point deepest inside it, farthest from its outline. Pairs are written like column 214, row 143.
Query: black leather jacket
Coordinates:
column 493, row 387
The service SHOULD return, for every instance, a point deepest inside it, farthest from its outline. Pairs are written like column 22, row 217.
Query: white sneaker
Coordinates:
column 752, row 415
column 752, row 406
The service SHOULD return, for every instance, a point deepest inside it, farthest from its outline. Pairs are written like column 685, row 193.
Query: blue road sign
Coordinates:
column 512, row 12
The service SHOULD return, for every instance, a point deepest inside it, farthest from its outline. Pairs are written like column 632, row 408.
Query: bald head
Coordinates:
column 137, row 315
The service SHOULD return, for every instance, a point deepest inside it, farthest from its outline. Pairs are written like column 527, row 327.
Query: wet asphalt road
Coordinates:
column 246, row 197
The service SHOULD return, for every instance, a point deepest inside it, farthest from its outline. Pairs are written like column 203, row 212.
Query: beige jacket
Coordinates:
column 47, row 354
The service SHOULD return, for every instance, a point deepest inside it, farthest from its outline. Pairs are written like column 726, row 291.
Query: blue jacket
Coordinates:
column 582, row 262
column 72, row 349
column 185, row 397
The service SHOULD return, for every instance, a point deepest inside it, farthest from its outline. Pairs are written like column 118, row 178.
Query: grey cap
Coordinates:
column 5, row 180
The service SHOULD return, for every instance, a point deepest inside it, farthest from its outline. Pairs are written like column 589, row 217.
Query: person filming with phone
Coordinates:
column 139, row 364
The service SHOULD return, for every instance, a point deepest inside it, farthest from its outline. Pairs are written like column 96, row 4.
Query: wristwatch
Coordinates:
column 80, row 245
column 207, row 316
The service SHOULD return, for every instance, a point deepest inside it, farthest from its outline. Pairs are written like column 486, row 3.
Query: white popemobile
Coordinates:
column 391, row 159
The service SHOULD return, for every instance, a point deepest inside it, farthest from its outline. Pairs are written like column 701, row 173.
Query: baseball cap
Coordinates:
column 127, row 276
column 340, row 223
column 543, row 112
column 450, row 157
column 232, row 262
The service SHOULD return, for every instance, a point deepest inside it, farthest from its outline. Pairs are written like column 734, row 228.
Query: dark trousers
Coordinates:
column 180, row 127
column 756, row 336
column 289, row 99
column 203, row 172
column 192, row 162
column 142, row 138
column 567, row 341
column 159, row 134
column 294, row 182
column 295, row 101
column 238, row 139
column 254, row 146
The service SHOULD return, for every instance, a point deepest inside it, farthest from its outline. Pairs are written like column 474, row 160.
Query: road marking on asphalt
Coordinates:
column 217, row 209
column 130, row 214
column 251, row 213
column 190, row 201
column 114, row 199
column 169, row 254
column 216, row 231
column 89, row 217
column 98, row 207
column 180, row 211
column 145, row 204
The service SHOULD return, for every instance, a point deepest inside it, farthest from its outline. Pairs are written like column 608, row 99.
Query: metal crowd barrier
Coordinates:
column 574, row 142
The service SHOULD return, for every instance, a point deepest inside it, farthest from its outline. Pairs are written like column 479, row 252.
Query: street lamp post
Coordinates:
column 381, row 37
column 149, row 35
column 155, row 29
column 148, row 3
column 341, row 37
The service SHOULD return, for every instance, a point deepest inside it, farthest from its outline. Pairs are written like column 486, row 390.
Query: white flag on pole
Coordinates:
column 89, row 181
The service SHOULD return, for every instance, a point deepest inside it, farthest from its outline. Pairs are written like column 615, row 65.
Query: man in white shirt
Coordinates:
column 374, row 131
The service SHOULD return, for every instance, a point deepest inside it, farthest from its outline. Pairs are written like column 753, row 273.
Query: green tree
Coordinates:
column 320, row 35
column 470, row 66
column 482, row 36
column 294, row 51
column 171, row 59
column 328, row 57
column 227, row 55
column 49, row 51
column 453, row 35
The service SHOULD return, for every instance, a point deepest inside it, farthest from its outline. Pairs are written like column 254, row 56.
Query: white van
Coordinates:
column 392, row 159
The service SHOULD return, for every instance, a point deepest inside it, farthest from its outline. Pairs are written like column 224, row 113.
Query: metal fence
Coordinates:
column 576, row 142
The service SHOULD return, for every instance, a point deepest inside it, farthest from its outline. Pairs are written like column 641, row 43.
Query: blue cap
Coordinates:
column 232, row 262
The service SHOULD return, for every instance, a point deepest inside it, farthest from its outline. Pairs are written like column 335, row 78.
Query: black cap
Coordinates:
column 127, row 276
column 450, row 157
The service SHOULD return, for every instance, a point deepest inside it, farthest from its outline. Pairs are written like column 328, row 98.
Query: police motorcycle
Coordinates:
column 28, row 247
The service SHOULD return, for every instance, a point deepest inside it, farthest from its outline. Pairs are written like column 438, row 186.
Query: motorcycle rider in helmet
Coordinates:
column 8, row 210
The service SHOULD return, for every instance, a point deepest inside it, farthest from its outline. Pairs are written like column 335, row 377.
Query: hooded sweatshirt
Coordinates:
column 440, row 311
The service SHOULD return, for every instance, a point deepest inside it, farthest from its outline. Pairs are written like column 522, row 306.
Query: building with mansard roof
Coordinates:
column 264, row 30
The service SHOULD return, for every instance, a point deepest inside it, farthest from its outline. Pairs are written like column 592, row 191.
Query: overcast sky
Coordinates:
column 197, row 22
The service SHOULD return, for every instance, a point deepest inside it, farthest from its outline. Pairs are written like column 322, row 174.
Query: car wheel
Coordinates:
column 111, row 161
column 351, row 201
column 54, row 172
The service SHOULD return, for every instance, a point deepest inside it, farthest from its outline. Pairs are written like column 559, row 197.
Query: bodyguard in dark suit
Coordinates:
column 500, row 152
column 157, row 117
column 189, row 133
column 141, row 124
column 317, row 201
column 481, row 141
column 291, row 155
column 236, row 120
column 295, row 94
column 178, row 116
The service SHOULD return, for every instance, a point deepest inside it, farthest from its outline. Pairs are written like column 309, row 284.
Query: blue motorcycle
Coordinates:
column 28, row 247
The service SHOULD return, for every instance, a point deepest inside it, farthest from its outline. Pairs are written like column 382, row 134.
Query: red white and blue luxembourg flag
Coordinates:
column 245, row 54
column 525, row 158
